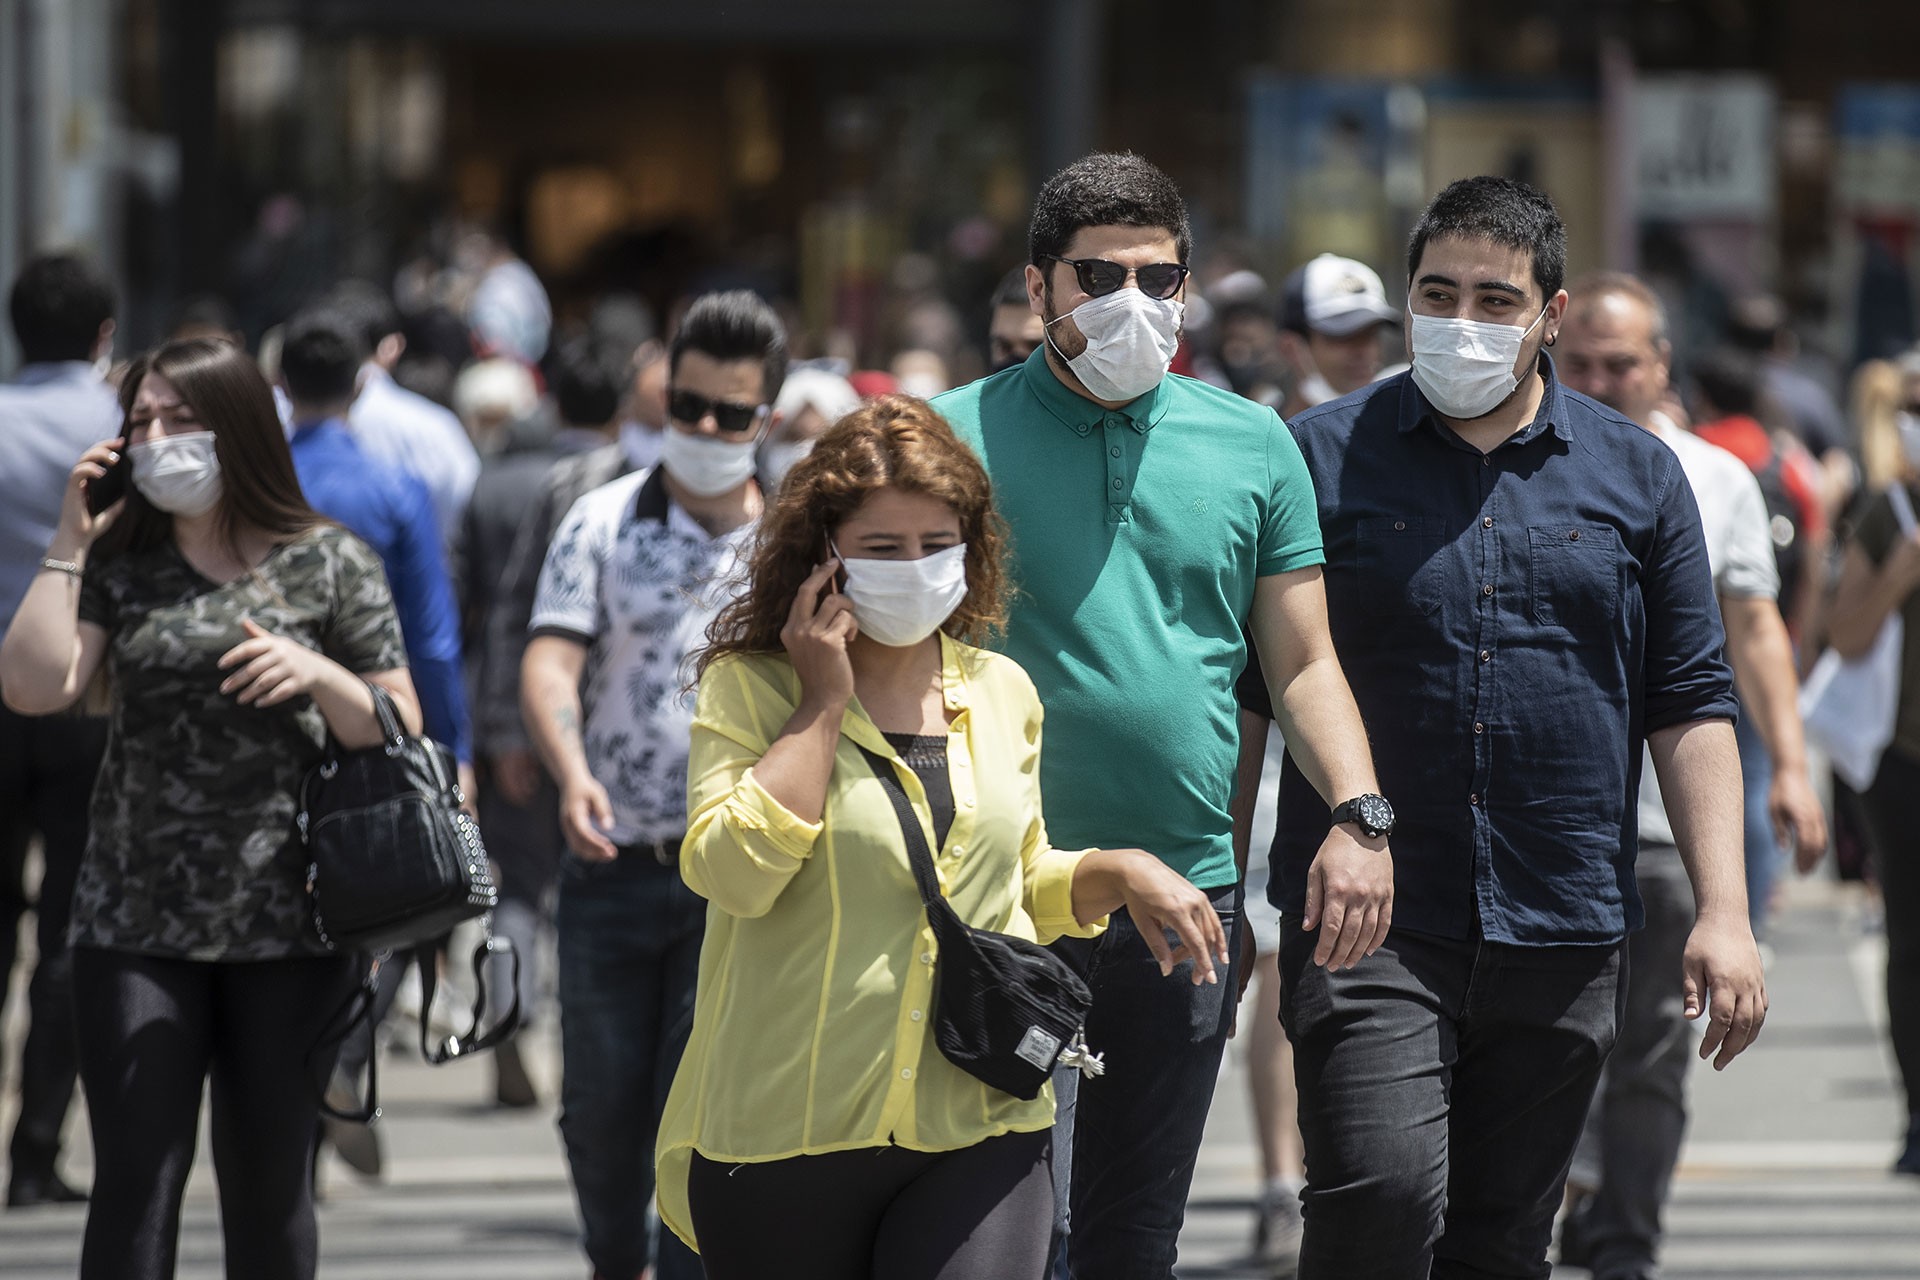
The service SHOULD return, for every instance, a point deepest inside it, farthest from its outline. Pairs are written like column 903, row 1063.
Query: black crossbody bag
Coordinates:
column 394, row 863
column 1005, row 1010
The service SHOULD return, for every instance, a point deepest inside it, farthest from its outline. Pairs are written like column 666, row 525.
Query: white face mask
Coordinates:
column 777, row 457
column 707, row 465
column 1131, row 339
column 1909, row 427
column 1465, row 367
column 178, row 474
column 902, row 602
column 640, row 444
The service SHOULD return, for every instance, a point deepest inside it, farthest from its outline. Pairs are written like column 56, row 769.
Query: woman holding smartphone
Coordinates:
column 814, row 1128
column 238, row 630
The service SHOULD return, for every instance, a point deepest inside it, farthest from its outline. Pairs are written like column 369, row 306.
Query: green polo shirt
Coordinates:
column 1137, row 536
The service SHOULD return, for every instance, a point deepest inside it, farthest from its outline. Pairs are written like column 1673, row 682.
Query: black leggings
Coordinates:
column 151, row 1030
column 1893, row 813
column 983, row 1212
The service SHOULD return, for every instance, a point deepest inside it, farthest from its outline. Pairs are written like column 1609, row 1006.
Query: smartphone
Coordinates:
column 837, row 581
column 111, row 487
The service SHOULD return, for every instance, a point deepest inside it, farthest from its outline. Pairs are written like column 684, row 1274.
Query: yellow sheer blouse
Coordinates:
column 812, row 1025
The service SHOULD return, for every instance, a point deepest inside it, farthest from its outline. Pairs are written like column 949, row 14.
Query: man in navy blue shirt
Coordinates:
column 1520, row 595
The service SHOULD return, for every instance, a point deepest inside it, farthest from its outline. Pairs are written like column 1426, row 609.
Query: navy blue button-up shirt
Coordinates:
column 1513, row 624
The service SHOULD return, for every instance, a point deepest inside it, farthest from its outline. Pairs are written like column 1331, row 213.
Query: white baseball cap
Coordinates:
column 1335, row 296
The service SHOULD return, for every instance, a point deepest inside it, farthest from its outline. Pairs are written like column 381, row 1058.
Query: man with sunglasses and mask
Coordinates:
column 1153, row 517
column 1520, row 591
column 636, row 572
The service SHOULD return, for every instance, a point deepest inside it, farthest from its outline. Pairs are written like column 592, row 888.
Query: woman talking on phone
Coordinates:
column 238, row 630
column 814, row 1127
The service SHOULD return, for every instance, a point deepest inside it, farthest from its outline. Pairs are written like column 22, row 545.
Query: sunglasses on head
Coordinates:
column 1098, row 277
column 732, row 419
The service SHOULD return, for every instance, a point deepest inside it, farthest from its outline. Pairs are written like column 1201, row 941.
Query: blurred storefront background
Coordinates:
column 861, row 157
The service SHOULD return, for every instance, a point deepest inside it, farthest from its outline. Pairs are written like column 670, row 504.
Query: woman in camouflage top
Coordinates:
column 237, row 630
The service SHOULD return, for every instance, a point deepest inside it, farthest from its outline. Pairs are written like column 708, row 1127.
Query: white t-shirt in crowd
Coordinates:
column 1733, row 517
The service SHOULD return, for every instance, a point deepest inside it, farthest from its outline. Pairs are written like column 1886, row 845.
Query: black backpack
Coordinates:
column 1784, row 523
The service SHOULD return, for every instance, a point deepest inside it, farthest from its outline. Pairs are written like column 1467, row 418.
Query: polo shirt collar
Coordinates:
column 1415, row 408
column 1082, row 414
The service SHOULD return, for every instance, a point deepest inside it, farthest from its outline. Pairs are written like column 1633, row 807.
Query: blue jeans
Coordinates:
column 1443, row 1085
column 1131, row 1137
column 629, row 942
column 1763, row 851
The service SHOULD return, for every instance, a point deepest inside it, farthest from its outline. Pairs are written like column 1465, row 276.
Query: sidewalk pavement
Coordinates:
column 1783, row 1176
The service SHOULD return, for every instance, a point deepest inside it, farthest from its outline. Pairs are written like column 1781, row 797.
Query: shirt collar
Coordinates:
column 322, row 426
column 39, row 375
column 856, row 724
column 653, row 502
column 1082, row 414
column 1415, row 408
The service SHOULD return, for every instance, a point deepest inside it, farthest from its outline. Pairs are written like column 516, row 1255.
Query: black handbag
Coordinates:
column 394, row 863
column 1005, row 1009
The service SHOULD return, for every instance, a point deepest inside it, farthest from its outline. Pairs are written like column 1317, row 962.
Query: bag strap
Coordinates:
column 919, row 856
column 350, row 1013
column 472, row 1040
column 392, row 733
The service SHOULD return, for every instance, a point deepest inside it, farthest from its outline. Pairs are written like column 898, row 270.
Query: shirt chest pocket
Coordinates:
column 1398, row 565
column 1574, row 575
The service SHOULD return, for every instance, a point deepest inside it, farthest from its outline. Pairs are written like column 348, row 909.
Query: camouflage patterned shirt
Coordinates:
column 193, row 852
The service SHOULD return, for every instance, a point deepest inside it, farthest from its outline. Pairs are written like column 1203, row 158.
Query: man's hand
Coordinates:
column 1798, row 819
column 1724, row 979
column 585, row 814
column 1349, row 897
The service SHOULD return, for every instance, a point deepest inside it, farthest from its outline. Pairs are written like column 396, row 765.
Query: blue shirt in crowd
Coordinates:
column 390, row 511
column 1513, row 624
column 49, row 414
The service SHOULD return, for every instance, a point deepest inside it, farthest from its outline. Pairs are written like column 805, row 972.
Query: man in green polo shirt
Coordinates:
column 1153, row 517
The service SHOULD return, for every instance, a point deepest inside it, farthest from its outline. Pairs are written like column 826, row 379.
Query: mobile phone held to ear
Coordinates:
column 111, row 487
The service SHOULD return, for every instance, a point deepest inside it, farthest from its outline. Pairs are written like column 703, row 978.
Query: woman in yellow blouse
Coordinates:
column 814, row 1128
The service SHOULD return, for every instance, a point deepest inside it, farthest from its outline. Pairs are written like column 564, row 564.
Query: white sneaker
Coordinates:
column 1278, row 1231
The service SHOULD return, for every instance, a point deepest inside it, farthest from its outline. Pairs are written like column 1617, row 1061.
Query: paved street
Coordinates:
column 1783, row 1176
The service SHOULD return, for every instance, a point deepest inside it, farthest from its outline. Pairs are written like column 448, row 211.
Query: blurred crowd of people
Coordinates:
column 551, row 499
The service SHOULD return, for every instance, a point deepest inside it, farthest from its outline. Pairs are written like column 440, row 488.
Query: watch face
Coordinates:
column 1375, row 813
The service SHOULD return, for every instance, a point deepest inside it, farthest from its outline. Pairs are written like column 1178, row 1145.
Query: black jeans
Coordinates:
column 151, row 1032
column 1443, row 1085
column 1631, row 1143
column 1893, row 814
column 983, row 1212
column 47, row 768
column 1134, row 1133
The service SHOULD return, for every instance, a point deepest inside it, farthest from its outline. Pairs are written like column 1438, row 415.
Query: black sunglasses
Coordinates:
column 1098, row 277
column 732, row 419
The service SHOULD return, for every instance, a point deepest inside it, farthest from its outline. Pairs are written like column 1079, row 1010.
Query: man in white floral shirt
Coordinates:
column 635, row 573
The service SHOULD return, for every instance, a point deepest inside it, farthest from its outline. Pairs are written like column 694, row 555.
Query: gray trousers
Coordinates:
column 1632, row 1139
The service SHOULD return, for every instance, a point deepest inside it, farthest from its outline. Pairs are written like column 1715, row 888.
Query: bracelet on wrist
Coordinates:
column 71, row 568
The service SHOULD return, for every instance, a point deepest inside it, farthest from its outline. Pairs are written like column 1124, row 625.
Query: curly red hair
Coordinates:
column 892, row 441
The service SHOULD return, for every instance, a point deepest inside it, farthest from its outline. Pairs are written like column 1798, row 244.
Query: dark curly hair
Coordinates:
column 1105, row 189
column 890, row 442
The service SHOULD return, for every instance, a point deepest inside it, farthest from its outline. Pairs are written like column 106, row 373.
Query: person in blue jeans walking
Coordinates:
column 636, row 573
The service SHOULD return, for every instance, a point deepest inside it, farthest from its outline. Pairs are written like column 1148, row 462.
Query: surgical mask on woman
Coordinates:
column 1465, row 367
column 902, row 602
column 178, row 474
column 1131, row 339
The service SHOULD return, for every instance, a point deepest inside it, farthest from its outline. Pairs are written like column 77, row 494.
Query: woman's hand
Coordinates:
column 79, row 526
column 816, row 637
column 1160, row 899
column 271, row 668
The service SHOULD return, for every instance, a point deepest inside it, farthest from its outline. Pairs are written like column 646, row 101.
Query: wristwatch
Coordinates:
column 1371, row 813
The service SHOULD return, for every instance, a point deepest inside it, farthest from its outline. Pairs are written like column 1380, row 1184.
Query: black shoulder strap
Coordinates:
column 919, row 856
